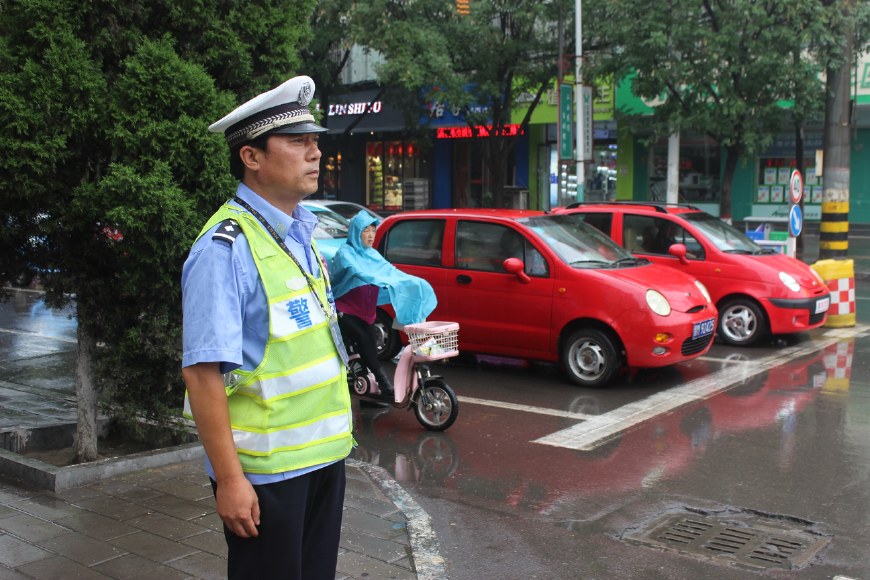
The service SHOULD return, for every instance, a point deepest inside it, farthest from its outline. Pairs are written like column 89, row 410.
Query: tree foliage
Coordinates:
column 484, row 64
column 723, row 69
column 107, row 169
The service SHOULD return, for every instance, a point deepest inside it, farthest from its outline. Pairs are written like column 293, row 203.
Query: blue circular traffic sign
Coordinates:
column 795, row 220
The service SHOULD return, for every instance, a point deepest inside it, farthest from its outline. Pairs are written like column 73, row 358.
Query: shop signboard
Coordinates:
column 566, row 122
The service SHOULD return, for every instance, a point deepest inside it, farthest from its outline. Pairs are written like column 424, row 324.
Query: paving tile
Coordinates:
column 153, row 547
column 46, row 506
column 126, row 490
column 10, row 494
column 378, row 548
column 60, row 567
column 202, row 565
column 372, row 505
column 15, row 552
column 211, row 521
column 112, row 507
column 9, row 574
column 81, row 548
column 184, row 489
column 175, row 507
column 74, row 495
column 211, row 541
column 166, row 526
column 372, row 525
column 96, row 526
column 133, row 567
column 30, row 528
column 6, row 512
column 353, row 565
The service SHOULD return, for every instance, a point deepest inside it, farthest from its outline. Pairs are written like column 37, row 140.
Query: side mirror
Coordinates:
column 679, row 251
column 516, row 267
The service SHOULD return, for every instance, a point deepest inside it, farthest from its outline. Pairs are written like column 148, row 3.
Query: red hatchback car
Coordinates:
column 756, row 290
column 530, row 285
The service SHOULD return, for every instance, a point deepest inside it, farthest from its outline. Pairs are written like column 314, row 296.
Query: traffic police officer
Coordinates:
column 263, row 359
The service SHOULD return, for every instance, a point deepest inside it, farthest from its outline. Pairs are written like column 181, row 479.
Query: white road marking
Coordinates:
column 526, row 408
column 600, row 429
column 39, row 335
column 597, row 430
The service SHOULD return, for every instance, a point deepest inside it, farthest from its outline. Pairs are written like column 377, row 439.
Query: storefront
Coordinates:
column 369, row 158
column 544, row 160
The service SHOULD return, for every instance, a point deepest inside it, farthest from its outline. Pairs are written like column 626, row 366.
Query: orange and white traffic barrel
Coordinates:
column 839, row 276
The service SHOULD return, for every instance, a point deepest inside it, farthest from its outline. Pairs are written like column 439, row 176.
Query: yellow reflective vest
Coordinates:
column 293, row 410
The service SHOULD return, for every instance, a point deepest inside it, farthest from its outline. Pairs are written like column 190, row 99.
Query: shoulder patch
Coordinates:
column 227, row 231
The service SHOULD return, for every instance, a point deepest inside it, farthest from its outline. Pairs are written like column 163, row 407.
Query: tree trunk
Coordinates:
column 834, row 227
column 731, row 157
column 86, row 398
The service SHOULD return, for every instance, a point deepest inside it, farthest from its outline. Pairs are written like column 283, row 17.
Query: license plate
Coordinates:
column 703, row 328
column 823, row 304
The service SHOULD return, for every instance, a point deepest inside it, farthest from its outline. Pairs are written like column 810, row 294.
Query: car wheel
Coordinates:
column 741, row 322
column 590, row 358
column 387, row 337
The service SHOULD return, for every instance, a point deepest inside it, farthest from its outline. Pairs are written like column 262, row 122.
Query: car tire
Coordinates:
column 590, row 358
column 387, row 338
column 742, row 322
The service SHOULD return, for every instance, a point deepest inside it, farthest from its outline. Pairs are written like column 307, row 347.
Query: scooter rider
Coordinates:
column 361, row 280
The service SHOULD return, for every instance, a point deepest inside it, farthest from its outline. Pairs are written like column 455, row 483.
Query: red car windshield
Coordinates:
column 577, row 243
column 722, row 235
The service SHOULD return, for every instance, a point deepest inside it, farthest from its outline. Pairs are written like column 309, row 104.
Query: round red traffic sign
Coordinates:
column 795, row 186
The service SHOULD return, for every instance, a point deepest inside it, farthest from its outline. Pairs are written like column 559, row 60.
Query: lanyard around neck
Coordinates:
column 283, row 246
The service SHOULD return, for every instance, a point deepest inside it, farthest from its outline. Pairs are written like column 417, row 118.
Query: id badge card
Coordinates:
column 337, row 338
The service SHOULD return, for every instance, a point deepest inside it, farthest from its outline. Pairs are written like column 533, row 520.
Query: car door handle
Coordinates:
column 463, row 279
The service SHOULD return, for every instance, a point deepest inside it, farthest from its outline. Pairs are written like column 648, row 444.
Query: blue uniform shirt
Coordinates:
column 226, row 317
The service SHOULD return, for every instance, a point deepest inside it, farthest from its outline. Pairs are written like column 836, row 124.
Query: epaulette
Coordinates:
column 227, row 231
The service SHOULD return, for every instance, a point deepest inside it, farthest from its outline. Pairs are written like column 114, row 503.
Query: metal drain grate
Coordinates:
column 752, row 544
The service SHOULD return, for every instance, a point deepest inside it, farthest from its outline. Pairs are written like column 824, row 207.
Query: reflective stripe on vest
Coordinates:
column 293, row 410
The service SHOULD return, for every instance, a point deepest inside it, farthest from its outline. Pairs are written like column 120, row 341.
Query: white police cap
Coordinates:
column 284, row 109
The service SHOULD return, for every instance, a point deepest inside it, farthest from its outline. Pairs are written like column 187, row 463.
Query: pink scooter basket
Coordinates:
column 433, row 340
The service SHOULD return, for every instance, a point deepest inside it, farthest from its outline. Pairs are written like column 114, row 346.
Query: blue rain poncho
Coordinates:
column 354, row 265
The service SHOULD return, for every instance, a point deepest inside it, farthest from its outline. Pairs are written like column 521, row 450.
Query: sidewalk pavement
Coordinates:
column 160, row 522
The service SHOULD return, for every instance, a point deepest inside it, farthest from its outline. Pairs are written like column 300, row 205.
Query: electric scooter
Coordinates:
column 434, row 402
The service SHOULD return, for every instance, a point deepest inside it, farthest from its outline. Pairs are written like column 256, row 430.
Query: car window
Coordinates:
column 722, row 235
column 329, row 223
column 599, row 220
column 485, row 246
column 655, row 235
column 414, row 242
column 576, row 243
column 640, row 234
column 345, row 210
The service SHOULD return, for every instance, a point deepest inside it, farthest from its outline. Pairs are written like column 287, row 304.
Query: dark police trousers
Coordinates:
column 300, row 526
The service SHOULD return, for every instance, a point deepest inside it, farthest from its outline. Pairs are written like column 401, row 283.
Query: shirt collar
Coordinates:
column 302, row 221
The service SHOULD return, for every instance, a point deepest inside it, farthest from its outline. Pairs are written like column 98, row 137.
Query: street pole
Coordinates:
column 673, row 182
column 580, row 149
column 834, row 225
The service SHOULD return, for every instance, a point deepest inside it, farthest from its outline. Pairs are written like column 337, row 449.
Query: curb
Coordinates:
column 426, row 553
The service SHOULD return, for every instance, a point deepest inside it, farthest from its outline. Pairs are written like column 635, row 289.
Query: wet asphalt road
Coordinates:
column 775, row 441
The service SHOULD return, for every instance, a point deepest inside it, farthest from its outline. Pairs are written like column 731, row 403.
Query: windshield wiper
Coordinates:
column 631, row 260
column 736, row 251
column 584, row 262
